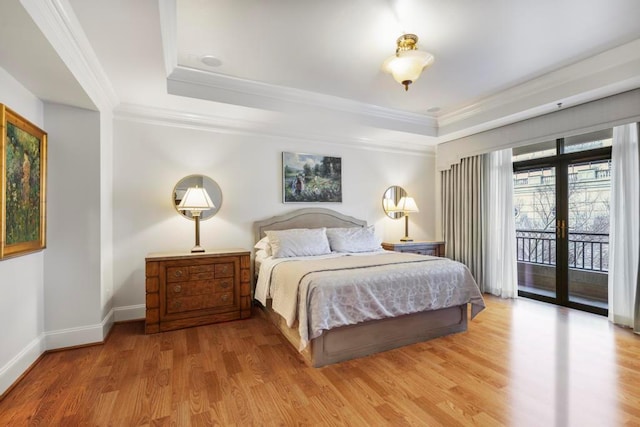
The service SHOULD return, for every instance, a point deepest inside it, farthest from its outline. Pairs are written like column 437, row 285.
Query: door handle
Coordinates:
column 561, row 228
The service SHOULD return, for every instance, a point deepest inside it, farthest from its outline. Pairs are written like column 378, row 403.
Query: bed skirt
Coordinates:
column 353, row 341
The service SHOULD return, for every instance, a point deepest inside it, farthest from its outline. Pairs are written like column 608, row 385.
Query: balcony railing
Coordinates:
column 587, row 251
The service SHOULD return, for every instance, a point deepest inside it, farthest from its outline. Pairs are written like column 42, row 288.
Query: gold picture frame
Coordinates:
column 311, row 178
column 23, row 165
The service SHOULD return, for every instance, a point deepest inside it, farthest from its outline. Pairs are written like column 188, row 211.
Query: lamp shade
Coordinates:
column 196, row 199
column 408, row 62
column 388, row 205
column 406, row 66
column 406, row 205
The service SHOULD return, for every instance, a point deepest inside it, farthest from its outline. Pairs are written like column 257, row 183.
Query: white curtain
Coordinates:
column 462, row 210
column 624, row 230
column 500, row 270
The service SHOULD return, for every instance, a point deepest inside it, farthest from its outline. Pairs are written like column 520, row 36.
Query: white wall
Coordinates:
column 106, row 219
column 52, row 298
column 21, row 278
column 72, row 260
column 149, row 159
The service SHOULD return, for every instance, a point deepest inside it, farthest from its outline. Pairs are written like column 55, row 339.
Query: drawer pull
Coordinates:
column 177, row 304
column 178, row 273
column 224, row 297
column 177, row 288
column 225, row 285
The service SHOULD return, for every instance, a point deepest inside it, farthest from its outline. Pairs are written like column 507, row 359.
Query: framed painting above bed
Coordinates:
column 309, row 178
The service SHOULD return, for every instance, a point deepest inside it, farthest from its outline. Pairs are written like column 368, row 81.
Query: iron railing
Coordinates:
column 587, row 251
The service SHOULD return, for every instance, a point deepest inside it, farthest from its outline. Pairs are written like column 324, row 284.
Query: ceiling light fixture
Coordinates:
column 408, row 62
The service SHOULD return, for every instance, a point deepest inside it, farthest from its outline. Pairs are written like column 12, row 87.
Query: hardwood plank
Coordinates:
column 521, row 363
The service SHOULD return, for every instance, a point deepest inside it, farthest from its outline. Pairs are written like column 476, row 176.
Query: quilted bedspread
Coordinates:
column 337, row 290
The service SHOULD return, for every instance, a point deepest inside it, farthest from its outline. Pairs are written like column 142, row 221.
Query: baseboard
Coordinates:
column 107, row 324
column 93, row 334
column 62, row 339
column 74, row 337
column 129, row 312
column 17, row 367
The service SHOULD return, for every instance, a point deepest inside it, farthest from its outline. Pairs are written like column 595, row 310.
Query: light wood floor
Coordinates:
column 521, row 363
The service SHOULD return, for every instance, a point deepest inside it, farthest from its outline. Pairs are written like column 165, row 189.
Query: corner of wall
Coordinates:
column 130, row 312
column 11, row 372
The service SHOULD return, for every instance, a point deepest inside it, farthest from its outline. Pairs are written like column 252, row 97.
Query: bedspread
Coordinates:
column 326, row 293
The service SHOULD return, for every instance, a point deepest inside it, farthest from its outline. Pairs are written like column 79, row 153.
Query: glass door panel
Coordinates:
column 561, row 202
column 535, row 212
column 589, row 191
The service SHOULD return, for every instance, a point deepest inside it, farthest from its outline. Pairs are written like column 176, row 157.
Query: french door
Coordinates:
column 561, row 205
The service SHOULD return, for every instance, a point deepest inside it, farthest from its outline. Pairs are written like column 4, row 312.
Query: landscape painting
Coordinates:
column 24, row 155
column 308, row 178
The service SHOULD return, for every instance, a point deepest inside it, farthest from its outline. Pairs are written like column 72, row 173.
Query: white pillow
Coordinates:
column 264, row 245
column 298, row 242
column 353, row 239
column 261, row 254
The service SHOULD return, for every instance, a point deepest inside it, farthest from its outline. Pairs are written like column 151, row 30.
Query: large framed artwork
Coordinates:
column 23, row 164
column 311, row 178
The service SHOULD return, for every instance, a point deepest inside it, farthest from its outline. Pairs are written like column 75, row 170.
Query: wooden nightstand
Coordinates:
column 191, row 289
column 422, row 248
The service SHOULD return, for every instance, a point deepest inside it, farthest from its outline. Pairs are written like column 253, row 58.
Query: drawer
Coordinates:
column 194, row 272
column 177, row 274
column 199, row 302
column 224, row 269
column 185, row 289
column 223, row 285
column 201, row 272
column 199, row 287
column 416, row 251
column 421, row 248
column 423, row 251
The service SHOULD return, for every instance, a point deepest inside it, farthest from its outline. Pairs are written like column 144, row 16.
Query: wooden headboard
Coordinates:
column 306, row 218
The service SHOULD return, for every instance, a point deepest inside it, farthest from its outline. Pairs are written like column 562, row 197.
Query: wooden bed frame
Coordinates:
column 349, row 342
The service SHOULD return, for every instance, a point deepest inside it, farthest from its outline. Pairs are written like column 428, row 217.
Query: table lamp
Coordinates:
column 406, row 205
column 196, row 200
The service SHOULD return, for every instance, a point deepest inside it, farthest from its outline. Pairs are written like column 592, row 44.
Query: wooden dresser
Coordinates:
column 422, row 248
column 187, row 289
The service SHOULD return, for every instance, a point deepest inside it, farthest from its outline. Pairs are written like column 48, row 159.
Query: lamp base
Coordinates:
column 197, row 249
column 406, row 237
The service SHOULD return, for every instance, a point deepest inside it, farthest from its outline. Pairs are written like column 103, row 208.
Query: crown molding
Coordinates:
column 614, row 71
column 195, row 83
column 602, row 113
column 226, row 125
column 552, row 107
column 217, row 87
column 58, row 23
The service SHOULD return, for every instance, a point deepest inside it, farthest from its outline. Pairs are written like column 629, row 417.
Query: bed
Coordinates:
column 325, row 343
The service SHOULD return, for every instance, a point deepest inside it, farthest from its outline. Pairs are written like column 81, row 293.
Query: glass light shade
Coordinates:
column 407, row 65
column 407, row 204
column 196, row 199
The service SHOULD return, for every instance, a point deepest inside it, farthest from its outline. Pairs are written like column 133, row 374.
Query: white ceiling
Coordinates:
column 496, row 60
column 336, row 47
